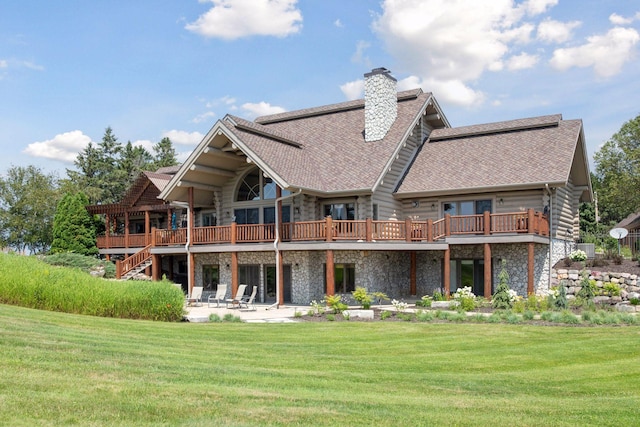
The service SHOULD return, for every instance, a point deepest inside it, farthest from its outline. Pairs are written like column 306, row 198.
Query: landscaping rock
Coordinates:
column 446, row 305
column 362, row 314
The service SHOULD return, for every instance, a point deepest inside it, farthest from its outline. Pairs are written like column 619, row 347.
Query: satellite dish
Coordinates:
column 618, row 233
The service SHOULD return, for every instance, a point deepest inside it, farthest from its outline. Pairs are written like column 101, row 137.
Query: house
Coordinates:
column 632, row 224
column 381, row 193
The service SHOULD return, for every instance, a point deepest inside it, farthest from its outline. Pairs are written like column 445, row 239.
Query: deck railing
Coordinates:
column 339, row 230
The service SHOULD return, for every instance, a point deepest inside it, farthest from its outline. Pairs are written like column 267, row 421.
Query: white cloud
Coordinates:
column 551, row 31
column 605, row 53
column 261, row 109
column 204, row 117
column 358, row 57
column 145, row 143
column 183, row 138
column 536, row 7
column 233, row 19
column 3, row 63
column 63, row 147
column 616, row 19
column 451, row 43
column 338, row 23
column 353, row 90
column 522, row 61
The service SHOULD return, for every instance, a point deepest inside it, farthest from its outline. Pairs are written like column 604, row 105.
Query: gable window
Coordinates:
column 255, row 186
column 344, row 278
column 340, row 211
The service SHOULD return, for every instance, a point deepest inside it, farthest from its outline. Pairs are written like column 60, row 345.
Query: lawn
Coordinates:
column 63, row 369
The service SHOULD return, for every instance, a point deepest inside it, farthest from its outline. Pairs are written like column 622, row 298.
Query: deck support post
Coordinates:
column 447, row 273
column 234, row 273
column 330, row 274
column 487, row 270
column 147, row 228
column 530, row 266
column 156, row 268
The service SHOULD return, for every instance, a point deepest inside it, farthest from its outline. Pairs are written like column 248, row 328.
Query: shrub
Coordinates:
column 568, row 317
column 478, row 317
column 82, row 262
column 634, row 301
column 400, row 306
column 331, row 317
column 380, row 296
column 617, row 259
column 231, row 318
column 613, row 289
column 425, row 301
column 561, row 300
column 213, row 317
column 363, row 297
column 501, row 299
column 466, row 298
column 494, row 318
column 513, row 318
column 528, row 315
column 546, row 316
column 317, row 308
column 578, row 255
column 424, row 316
column 566, row 262
column 335, row 303
column 385, row 315
column 437, row 296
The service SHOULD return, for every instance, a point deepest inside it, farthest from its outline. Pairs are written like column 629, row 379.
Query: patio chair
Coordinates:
column 196, row 295
column 248, row 301
column 221, row 292
column 235, row 301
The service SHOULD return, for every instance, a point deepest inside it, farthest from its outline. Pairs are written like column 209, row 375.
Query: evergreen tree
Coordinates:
column 133, row 161
column 165, row 155
column 501, row 298
column 73, row 226
column 561, row 302
column 87, row 175
column 111, row 178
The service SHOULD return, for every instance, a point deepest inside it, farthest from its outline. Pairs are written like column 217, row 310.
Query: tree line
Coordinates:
column 41, row 212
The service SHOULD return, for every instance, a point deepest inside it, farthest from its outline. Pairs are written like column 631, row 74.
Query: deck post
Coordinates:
column 126, row 229
column 118, row 269
column 447, row 273
column 530, row 218
column 147, row 223
column 330, row 274
column 234, row 273
column 369, row 229
column 447, row 225
column 329, row 225
column 429, row 230
column 107, row 220
column 412, row 274
column 234, row 232
column 153, row 237
column 530, row 262
column 487, row 223
column 408, row 230
column 156, row 268
column 280, row 279
column 487, row 270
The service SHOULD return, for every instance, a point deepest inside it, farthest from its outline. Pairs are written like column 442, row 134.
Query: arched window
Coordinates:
column 256, row 186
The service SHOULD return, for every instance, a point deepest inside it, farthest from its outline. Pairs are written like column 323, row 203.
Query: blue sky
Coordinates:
column 156, row 68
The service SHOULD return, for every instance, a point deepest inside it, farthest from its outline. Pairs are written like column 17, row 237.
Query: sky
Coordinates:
column 171, row 68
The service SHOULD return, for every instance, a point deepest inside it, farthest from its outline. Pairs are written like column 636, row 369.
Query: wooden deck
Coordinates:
column 330, row 230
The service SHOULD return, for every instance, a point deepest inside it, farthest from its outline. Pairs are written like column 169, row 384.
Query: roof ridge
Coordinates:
column 259, row 129
column 495, row 127
column 328, row 109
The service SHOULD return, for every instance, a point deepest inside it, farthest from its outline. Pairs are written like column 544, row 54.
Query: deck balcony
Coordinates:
column 329, row 230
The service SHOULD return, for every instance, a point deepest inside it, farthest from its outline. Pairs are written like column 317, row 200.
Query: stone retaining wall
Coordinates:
column 628, row 283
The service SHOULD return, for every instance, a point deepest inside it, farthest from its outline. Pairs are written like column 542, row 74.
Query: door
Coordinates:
column 270, row 283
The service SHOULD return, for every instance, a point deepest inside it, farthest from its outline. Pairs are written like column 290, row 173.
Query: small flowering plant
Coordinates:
column 318, row 307
column 466, row 298
column 400, row 306
column 513, row 296
column 578, row 255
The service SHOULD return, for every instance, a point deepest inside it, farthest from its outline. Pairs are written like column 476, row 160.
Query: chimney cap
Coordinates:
column 380, row 70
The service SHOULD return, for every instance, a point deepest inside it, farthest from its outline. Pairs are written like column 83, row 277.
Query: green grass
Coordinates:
column 28, row 282
column 64, row 369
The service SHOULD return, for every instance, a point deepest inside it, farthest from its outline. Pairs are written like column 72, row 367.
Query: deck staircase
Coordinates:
column 134, row 264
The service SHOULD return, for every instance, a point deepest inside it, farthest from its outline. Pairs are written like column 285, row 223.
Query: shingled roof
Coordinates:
column 323, row 149
column 496, row 156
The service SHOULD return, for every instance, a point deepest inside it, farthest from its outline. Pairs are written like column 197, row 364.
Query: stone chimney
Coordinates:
column 380, row 103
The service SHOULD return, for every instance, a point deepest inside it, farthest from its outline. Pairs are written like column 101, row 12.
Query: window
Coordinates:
column 467, row 207
column 344, row 278
column 209, row 219
column 210, row 277
column 340, row 211
column 255, row 186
